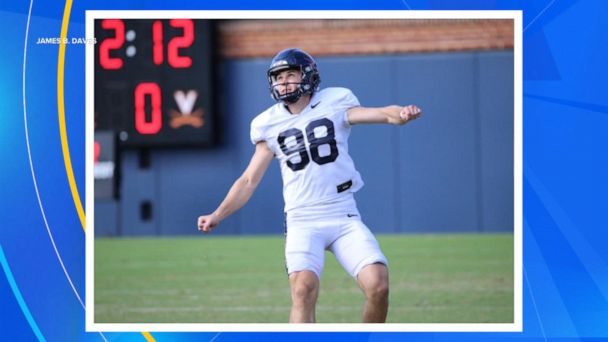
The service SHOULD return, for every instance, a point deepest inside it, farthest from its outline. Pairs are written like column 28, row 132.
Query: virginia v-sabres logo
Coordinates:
column 185, row 116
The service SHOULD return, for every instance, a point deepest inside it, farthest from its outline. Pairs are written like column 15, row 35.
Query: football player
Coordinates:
column 307, row 131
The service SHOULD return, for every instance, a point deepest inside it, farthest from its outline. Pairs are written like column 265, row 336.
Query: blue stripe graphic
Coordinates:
column 17, row 293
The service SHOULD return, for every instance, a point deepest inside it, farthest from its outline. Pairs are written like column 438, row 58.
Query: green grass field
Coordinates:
column 465, row 278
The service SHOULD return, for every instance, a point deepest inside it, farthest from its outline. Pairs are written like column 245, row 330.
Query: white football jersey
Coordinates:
column 312, row 148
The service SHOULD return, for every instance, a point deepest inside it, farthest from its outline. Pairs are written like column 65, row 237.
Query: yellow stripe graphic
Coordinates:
column 148, row 337
column 61, row 109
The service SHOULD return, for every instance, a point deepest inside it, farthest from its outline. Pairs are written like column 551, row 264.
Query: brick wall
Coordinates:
column 263, row 38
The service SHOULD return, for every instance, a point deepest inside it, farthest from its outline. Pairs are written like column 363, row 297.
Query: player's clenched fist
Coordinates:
column 410, row 112
column 207, row 222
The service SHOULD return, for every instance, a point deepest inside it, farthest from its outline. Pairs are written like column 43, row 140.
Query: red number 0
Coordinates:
column 175, row 60
column 142, row 125
column 108, row 44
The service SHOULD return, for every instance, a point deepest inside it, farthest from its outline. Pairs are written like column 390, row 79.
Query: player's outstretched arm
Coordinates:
column 241, row 190
column 395, row 115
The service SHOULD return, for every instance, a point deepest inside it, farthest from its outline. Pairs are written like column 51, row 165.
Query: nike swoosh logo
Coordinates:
column 351, row 215
column 316, row 104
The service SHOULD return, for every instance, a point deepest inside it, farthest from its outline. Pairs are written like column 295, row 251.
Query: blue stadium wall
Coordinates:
column 450, row 171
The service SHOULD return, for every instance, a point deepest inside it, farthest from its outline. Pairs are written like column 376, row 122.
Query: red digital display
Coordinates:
column 185, row 41
column 110, row 44
column 142, row 124
column 153, row 81
column 173, row 49
column 97, row 150
column 157, row 38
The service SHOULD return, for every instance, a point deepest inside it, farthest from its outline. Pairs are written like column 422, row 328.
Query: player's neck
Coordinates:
column 298, row 106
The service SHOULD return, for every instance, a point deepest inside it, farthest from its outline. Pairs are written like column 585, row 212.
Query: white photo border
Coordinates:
column 516, row 326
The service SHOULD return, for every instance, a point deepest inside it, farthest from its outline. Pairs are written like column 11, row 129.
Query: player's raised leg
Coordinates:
column 373, row 280
column 304, row 293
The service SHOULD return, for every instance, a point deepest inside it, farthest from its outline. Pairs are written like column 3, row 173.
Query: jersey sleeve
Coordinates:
column 256, row 132
column 346, row 101
column 349, row 99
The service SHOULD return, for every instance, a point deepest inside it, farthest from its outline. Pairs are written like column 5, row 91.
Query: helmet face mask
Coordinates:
column 293, row 59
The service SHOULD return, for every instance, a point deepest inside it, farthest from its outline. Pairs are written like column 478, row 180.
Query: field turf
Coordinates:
column 464, row 278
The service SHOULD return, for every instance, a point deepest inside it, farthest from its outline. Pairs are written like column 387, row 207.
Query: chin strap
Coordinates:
column 292, row 98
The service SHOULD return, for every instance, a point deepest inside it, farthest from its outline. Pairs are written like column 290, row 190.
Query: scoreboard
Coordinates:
column 154, row 83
